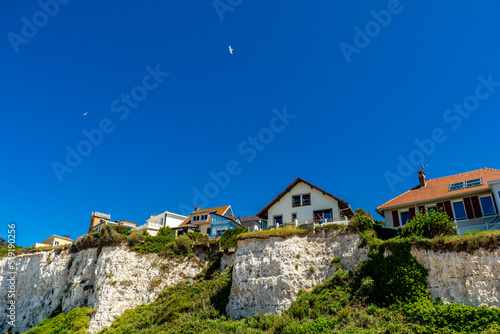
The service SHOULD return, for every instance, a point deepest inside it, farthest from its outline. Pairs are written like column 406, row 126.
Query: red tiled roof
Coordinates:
column 438, row 188
column 218, row 210
column 342, row 204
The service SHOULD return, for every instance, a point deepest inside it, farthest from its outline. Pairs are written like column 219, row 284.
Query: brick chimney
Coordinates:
column 421, row 178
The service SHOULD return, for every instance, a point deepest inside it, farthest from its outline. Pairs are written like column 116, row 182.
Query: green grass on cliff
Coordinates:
column 75, row 321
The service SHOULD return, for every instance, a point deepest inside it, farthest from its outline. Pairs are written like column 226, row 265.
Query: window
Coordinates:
column 433, row 208
column 301, row 200
column 208, row 231
column 196, row 218
column 203, row 217
column 264, row 224
column 405, row 217
column 465, row 184
column 278, row 220
column 56, row 243
column 487, row 205
column 459, row 210
column 220, row 232
column 327, row 215
column 294, row 216
column 306, row 199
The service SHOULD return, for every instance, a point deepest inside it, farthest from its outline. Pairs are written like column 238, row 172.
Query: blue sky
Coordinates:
column 336, row 93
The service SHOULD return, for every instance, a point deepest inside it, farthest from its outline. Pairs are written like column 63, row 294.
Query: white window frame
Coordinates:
column 454, row 213
column 492, row 202
column 301, row 196
column 401, row 223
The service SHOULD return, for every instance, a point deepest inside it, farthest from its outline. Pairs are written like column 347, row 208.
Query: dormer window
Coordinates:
column 465, row 184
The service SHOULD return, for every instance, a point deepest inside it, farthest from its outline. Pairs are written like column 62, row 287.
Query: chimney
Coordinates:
column 197, row 207
column 421, row 178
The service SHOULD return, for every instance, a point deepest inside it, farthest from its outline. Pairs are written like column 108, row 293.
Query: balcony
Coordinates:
column 492, row 223
column 152, row 226
column 295, row 224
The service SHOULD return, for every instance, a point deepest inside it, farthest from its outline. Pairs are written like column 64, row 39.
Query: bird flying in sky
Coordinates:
column 85, row 114
column 230, row 50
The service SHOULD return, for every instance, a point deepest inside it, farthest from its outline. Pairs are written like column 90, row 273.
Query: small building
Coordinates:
column 303, row 202
column 155, row 222
column 99, row 220
column 253, row 223
column 211, row 222
column 471, row 199
column 55, row 240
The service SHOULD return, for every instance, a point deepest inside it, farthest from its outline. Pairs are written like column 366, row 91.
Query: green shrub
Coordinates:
column 397, row 277
column 361, row 221
column 165, row 231
column 196, row 236
column 429, row 225
column 75, row 321
column 228, row 238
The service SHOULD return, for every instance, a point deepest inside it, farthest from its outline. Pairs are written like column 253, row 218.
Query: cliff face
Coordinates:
column 117, row 280
column 267, row 277
column 463, row 278
column 268, row 274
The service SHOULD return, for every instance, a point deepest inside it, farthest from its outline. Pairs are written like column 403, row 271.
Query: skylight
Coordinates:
column 465, row 184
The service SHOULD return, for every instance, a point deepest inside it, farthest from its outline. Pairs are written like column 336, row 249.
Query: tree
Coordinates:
column 165, row 231
column 362, row 221
column 429, row 225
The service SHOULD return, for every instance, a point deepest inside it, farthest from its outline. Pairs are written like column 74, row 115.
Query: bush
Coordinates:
column 196, row 236
column 228, row 239
column 429, row 225
column 165, row 231
column 135, row 238
column 182, row 245
column 361, row 221
column 75, row 321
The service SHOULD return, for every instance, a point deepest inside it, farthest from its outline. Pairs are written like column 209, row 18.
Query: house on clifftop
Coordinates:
column 303, row 202
column 471, row 199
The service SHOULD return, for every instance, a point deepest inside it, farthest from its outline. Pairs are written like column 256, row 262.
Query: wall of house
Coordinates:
column 318, row 202
column 170, row 220
column 495, row 188
column 116, row 280
column 462, row 223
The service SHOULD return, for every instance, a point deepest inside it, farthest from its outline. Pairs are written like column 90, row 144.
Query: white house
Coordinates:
column 302, row 201
column 471, row 199
column 155, row 222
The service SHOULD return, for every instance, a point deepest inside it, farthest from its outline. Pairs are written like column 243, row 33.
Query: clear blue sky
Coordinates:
column 358, row 93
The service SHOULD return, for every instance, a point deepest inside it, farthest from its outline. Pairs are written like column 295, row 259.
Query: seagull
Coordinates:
column 85, row 114
column 230, row 50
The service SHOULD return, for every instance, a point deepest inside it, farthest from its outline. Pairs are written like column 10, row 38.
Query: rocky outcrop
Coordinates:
column 268, row 274
column 463, row 278
column 116, row 280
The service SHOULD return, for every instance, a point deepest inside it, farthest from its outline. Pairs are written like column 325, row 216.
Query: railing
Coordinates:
column 492, row 224
column 149, row 225
column 296, row 223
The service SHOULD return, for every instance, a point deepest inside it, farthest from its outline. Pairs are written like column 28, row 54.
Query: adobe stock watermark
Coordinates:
column 249, row 150
column 31, row 27
column 10, row 276
column 454, row 118
column 222, row 6
column 371, row 29
column 120, row 106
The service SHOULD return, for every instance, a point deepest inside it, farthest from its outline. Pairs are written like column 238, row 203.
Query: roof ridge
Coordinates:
column 475, row 170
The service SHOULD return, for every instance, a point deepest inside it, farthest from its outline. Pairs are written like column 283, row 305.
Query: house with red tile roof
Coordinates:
column 303, row 202
column 212, row 222
column 471, row 199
